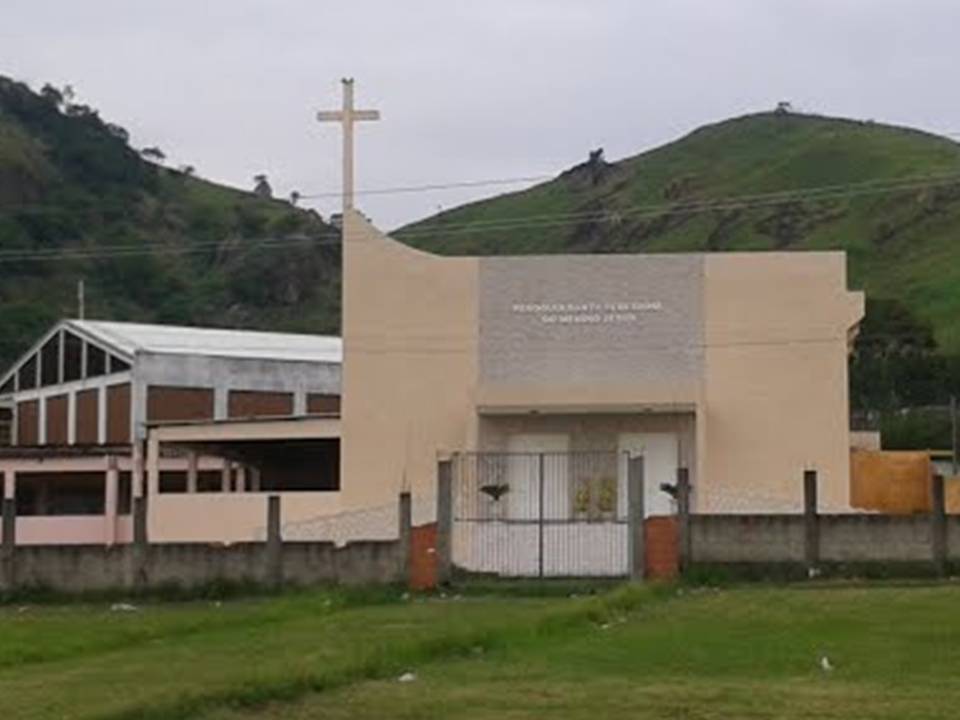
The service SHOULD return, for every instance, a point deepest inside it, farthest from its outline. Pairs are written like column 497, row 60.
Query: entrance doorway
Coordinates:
column 660, row 461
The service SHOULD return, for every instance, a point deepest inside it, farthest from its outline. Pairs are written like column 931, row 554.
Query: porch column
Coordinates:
column 8, row 479
column 138, row 507
column 192, row 472
column 241, row 484
column 153, row 465
column 225, row 474
column 8, row 539
column 110, row 490
column 136, row 476
column 254, row 479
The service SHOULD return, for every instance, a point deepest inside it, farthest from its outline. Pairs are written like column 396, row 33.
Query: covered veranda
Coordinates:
column 297, row 459
column 79, row 495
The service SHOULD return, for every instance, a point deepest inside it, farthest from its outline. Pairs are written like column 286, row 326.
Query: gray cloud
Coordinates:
column 472, row 90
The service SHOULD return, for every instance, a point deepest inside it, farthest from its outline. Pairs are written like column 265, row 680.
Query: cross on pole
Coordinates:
column 347, row 117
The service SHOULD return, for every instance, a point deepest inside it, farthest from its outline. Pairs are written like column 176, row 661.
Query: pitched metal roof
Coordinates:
column 131, row 338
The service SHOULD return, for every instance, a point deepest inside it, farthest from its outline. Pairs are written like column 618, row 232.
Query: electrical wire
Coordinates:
column 434, row 228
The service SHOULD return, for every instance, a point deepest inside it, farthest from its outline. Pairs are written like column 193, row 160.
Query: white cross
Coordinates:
column 347, row 117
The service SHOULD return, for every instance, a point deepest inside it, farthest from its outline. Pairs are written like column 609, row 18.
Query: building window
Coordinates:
column 118, row 365
column 28, row 374
column 72, row 357
column 50, row 361
column 96, row 361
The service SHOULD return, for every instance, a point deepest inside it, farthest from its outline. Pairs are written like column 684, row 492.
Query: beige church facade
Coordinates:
column 731, row 365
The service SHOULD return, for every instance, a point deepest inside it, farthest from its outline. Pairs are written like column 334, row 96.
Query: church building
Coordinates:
column 732, row 365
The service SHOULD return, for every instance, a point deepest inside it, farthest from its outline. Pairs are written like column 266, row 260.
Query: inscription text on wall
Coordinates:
column 587, row 313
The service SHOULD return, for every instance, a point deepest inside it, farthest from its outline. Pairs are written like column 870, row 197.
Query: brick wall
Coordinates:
column 423, row 557
column 165, row 403
column 255, row 403
column 661, row 546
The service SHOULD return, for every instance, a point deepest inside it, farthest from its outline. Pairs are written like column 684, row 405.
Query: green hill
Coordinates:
column 903, row 246
column 889, row 196
column 166, row 246
column 170, row 247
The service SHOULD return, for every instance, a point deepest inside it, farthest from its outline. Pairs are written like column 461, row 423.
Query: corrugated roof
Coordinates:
column 130, row 338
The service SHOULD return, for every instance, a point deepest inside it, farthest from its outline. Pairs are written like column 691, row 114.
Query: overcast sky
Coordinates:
column 471, row 90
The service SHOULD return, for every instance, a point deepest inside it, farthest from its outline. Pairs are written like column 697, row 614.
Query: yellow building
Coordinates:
column 732, row 365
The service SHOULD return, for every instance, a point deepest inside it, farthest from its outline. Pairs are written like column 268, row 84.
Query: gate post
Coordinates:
column 540, row 464
column 274, row 548
column 405, row 532
column 938, row 525
column 636, row 552
column 683, row 519
column 811, row 522
column 444, row 547
column 9, row 539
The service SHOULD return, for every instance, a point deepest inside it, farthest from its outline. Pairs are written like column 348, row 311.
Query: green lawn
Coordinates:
column 649, row 653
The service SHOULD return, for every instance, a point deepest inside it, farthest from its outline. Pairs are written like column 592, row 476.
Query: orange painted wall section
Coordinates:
column 888, row 481
column 423, row 557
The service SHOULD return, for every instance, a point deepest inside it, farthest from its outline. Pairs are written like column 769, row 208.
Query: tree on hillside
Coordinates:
column 187, row 170
column 52, row 95
column 118, row 132
column 262, row 186
column 294, row 197
column 153, row 153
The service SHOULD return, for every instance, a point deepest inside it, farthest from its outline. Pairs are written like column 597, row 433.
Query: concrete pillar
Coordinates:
column 8, row 539
column 153, row 465
column 41, row 415
column 938, row 525
column 685, row 550
column 192, row 472
column 254, row 479
column 101, row 414
column 636, row 552
column 241, row 480
column 274, row 542
column 300, row 402
column 811, row 521
column 226, row 473
column 220, row 403
column 110, row 501
column 405, row 531
column 71, row 418
column 444, row 547
column 139, row 508
column 136, row 473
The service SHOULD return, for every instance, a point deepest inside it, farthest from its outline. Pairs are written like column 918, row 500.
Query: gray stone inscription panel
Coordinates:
column 591, row 319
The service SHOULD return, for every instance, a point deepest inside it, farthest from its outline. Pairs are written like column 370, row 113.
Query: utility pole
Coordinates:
column 347, row 116
column 955, row 427
column 81, row 300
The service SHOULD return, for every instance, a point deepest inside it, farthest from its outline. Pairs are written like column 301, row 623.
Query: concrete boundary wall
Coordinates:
column 91, row 568
column 143, row 566
column 850, row 539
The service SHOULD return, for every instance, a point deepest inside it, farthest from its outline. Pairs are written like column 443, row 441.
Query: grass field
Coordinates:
column 657, row 652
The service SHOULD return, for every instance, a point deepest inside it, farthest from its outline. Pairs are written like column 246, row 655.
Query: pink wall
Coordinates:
column 71, row 530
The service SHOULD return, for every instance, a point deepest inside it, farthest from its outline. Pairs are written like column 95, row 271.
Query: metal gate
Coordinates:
column 542, row 514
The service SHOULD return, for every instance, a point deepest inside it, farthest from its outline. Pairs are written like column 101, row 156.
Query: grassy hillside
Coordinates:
column 69, row 183
column 903, row 246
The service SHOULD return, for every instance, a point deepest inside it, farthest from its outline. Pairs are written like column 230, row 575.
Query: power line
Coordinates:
column 400, row 189
column 430, row 187
column 434, row 229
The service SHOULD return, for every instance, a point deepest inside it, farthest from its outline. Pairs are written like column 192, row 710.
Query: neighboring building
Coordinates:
column 84, row 396
column 733, row 365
